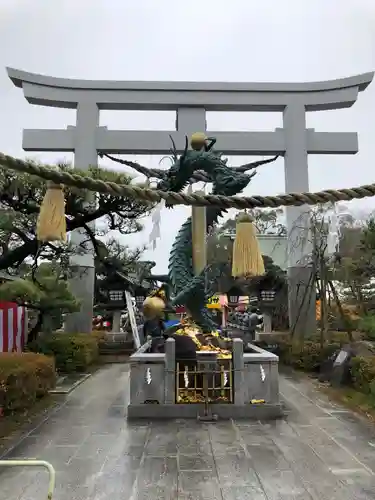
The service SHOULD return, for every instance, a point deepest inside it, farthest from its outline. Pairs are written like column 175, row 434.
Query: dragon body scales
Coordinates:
column 190, row 290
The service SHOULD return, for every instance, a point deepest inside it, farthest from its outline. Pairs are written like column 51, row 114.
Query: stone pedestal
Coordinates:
column 254, row 378
column 116, row 322
column 267, row 322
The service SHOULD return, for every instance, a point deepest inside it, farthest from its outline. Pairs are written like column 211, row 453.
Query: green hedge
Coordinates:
column 99, row 336
column 367, row 325
column 363, row 374
column 310, row 355
column 24, row 378
column 72, row 353
column 307, row 356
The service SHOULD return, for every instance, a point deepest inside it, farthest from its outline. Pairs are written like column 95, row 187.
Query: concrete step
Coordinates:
column 115, row 358
column 118, row 347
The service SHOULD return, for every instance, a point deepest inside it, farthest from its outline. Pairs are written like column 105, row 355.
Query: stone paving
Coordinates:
column 319, row 451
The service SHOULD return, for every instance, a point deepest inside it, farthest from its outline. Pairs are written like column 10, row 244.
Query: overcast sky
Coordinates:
column 241, row 40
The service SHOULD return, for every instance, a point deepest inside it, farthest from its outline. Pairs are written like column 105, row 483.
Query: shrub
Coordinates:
column 307, row 356
column 99, row 336
column 342, row 338
column 367, row 325
column 310, row 355
column 24, row 378
column 333, row 337
column 72, row 353
column 363, row 373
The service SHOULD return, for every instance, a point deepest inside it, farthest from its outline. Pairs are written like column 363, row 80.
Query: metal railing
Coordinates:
column 208, row 382
column 34, row 463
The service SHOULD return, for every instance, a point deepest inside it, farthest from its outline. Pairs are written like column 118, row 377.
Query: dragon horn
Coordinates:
column 173, row 149
column 182, row 158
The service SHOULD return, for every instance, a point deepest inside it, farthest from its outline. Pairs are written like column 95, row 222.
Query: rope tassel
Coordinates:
column 247, row 257
column 51, row 224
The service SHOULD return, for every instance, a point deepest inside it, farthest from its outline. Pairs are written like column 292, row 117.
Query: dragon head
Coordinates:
column 183, row 167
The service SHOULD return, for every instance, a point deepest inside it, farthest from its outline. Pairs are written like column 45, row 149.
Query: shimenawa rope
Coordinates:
column 171, row 198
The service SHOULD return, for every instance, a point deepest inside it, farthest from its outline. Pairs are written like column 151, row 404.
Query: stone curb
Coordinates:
column 71, row 388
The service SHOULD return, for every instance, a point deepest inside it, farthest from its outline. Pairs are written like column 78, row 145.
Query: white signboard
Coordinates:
column 133, row 323
column 341, row 357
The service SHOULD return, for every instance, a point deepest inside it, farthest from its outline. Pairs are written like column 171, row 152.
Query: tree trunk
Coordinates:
column 345, row 320
column 34, row 332
column 323, row 301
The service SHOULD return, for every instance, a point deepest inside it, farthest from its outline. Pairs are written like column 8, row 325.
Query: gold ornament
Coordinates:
column 198, row 141
column 153, row 307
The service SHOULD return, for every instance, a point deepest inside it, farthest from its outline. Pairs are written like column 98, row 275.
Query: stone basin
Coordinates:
column 251, row 379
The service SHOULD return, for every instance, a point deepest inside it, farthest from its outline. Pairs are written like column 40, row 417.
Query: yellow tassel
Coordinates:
column 51, row 224
column 247, row 258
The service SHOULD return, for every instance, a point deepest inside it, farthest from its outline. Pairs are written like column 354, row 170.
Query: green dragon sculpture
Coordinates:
column 189, row 290
column 201, row 163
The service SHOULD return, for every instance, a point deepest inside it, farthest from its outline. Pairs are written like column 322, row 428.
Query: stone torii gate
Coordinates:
column 191, row 100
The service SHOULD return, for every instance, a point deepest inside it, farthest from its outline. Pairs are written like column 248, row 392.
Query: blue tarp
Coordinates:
column 171, row 322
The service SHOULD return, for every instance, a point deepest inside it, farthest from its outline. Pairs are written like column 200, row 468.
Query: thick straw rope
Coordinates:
column 154, row 195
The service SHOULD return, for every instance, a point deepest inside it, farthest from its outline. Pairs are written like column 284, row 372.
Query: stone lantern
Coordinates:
column 267, row 304
column 111, row 297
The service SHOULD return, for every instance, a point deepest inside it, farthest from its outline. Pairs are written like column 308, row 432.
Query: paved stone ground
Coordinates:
column 320, row 451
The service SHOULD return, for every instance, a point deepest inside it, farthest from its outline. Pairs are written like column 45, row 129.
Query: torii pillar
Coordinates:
column 190, row 101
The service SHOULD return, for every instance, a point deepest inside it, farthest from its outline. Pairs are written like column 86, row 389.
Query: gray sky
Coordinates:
column 243, row 40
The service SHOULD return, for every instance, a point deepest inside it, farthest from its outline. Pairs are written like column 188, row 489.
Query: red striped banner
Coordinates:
column 13, row 328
